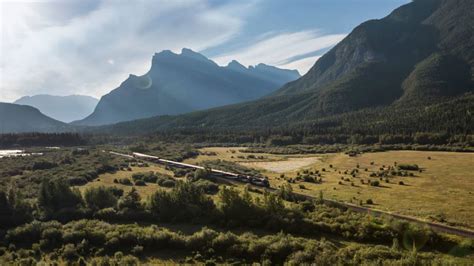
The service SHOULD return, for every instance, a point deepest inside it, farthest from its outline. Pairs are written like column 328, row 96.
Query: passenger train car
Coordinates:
column 257, row 181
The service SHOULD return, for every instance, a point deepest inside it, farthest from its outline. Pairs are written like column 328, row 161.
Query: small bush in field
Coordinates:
column 409, row 167
column 375, row 183
column 140, row 183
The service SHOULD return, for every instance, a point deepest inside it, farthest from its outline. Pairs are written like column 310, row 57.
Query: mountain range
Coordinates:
column 186, row 82
column 15, row 118
column 412, row 71
column 420, row 55
column 62, row 108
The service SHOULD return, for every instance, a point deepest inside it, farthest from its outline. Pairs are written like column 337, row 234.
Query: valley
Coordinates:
column 251, row 133
column 344, row 178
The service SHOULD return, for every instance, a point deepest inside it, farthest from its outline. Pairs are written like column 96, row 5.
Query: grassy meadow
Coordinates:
column 442, row 191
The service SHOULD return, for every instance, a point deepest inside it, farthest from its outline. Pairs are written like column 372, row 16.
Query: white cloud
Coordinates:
column 280, row 50
column 92, row 52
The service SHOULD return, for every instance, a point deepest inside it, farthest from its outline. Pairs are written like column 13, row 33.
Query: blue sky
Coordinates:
column 89, row 47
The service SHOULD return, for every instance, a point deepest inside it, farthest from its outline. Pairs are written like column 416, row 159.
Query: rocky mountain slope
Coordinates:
column 421, row 54
column 181, row 83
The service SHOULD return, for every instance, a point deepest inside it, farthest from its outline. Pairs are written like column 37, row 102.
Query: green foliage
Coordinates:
column 375, row 183
column 75, row 169
column 185, row 201
column 130, row 201
column 236, row 208
column 97, row 198
column 13, row 209
column 43, row 165
column 117, row 241
column 41, row 140
column 55, row 196
column 125, row 181
column 408, row 167
column 149, row 177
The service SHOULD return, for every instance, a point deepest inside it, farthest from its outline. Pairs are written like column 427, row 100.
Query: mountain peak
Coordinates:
column 194, row 55
column 185, row 82
column 63, row 108
column 164, row 52
column 235, row 65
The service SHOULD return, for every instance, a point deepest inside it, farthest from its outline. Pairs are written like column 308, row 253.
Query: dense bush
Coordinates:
column 97, row 198
column 131, row 201
column 77, row 181
column 165, row 181
column 183, row 203
column 56, row 197
column 43, row 165
column 149, row 177
column 375, row 183
column 125, row 181
column 408, row 167
column 13, row 209
column 115, row 243
column 140, row 183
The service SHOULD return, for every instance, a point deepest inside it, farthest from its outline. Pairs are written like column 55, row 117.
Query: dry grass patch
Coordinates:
column 145, row 191
column 442, row 191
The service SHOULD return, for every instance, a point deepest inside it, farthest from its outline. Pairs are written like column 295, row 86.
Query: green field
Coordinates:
column 442, row 191
column 102, row 220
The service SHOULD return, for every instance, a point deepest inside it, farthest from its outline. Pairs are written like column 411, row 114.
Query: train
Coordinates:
column 254, row 180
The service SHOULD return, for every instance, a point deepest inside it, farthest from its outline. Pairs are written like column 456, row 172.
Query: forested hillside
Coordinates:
column 16, row 118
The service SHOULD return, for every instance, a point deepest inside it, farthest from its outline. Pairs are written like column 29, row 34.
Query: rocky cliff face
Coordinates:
column 180, row 83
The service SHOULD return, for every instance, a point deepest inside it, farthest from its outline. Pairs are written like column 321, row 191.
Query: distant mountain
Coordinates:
column 421, row 55
column 16, row 118
column 62, row 108
column 180, row 83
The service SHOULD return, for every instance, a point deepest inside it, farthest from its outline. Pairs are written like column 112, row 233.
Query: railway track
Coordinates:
column 234, row 178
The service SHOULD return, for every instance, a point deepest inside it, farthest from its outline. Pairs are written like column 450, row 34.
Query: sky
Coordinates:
column 88, row 47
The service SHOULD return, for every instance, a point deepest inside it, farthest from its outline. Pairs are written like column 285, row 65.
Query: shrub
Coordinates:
column 168, row 183
column 369, row 201
column 401, row 183
column 308, row 179
column 57, row 195
column 375, row 183
column 125, row 181
column 131, row 200
column 140, row 183
column 77, row 181
column 145, row 177
column 118, row 192
column 69, row 252
column 43, row 165
column 180, row 172
column 98, row 198
column 207, row 186
column 408, row 167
